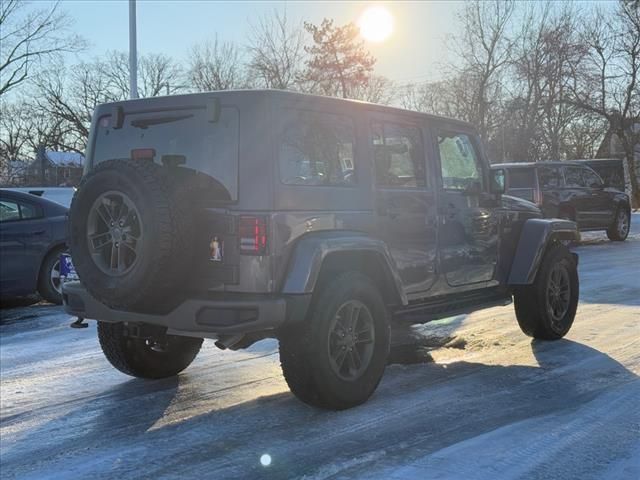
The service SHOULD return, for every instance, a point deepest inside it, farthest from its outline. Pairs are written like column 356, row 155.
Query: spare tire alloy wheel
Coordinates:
column 114, row 233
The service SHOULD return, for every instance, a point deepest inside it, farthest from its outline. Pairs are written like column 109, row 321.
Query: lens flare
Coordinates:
column 376, row 24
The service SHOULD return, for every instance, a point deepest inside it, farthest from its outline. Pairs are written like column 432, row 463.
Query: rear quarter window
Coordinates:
column 317, row 149
column 521, row 178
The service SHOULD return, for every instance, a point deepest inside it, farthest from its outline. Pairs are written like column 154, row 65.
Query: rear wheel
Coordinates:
column 49, row 283
column 336, row 357
column 546, row 309
column 619, row 230
column 157, row 357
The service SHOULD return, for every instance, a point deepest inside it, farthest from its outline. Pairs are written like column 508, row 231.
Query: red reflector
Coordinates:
column 252, row 232
column 143, row 154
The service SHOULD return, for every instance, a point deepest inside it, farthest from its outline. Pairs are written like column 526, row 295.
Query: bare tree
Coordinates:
column 607, row 80
column 31, row 36
column 377, row 89
column 484, row 48
column 339, row 64
column 158, row 74
column 276, row 52
column 215, row 66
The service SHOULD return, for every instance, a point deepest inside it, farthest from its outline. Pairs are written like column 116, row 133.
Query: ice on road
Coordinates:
column 476, row 400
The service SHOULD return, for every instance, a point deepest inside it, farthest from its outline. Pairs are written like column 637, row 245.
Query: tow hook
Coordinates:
column 79, row 323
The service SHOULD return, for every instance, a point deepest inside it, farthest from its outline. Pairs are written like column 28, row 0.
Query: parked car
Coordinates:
column 61, row 195
column 571, row 190
column 32, row 237
column 322, row 222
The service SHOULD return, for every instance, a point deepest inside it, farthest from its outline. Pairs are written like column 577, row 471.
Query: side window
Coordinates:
column 549, row 177
column 573, row 177
column 459, row 161
column 9, row 211
column 317, row 149
column 29, row 211
column 398, row 155
column 591, row 179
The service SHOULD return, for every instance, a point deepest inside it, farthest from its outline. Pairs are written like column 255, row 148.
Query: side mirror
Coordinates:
column 497, row 183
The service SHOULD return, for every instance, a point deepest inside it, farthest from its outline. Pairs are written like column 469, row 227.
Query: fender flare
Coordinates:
column 535, row 237
column 311, row 251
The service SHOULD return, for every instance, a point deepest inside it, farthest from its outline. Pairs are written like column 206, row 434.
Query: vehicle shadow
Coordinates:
column 428, row 406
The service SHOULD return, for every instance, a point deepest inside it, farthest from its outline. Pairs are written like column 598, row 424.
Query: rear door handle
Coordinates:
column 38, row 232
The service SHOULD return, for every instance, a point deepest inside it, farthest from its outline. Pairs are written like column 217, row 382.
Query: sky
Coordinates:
column 172, row 27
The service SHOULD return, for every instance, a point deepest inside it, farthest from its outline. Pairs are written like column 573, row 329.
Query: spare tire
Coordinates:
column 128, row 231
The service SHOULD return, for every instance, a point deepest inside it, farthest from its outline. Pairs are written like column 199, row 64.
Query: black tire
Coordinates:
column 619, row 229
column 304, row 350
column 536, row 317
column 47, row 286
column 136, row 357
column 165, row 227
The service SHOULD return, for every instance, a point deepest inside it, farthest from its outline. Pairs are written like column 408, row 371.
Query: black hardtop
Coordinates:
column 193, row 99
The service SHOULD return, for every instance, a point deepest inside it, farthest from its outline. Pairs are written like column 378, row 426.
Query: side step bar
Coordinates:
column 444, row 307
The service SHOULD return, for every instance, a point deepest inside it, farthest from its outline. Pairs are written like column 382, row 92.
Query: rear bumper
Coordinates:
column 231, row 314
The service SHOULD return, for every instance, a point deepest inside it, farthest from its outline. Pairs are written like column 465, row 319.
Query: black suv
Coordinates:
column 322, row 222
column 570, row 190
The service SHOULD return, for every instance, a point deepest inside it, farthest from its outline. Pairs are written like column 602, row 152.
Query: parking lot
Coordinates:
column 466, row 397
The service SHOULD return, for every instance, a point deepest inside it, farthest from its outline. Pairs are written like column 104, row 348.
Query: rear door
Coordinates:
column 521, row 182
column 579, row 197
column 405, row 202
column 24, row 234
column 551, row 189
column 468, row 227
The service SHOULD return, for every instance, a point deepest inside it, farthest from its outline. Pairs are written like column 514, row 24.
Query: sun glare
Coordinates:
column 376, row 24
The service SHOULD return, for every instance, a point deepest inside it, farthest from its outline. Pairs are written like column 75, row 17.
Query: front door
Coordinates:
column 599, row 199
column 405, row 201
column 468, row 223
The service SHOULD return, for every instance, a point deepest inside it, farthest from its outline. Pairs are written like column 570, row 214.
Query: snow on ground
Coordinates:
column 478, row 400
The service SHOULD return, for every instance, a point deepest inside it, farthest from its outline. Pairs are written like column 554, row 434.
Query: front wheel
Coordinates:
column 619, row 230
column 336, row 357
column 152, row 358
column 546, row 309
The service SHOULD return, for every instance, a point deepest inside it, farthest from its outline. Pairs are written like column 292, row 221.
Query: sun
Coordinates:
column 376, row 24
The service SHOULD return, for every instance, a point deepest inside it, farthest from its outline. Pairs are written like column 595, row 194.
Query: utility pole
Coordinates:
column 133, row 52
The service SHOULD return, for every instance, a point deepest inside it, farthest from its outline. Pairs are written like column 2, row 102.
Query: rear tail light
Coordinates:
column 253, row 235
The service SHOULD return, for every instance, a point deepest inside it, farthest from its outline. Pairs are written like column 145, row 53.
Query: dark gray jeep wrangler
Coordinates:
column 322, row 222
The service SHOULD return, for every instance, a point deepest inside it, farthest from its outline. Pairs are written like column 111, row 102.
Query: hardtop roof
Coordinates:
column 189, row 97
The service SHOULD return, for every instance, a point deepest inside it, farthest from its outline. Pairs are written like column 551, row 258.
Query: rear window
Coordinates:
column 521, row 178
column 209, row 147
column 317, row 149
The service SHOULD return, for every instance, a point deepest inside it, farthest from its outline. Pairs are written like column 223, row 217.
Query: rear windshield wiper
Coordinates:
column 148, row 122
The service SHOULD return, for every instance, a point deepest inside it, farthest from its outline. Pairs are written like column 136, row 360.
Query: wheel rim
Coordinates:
column 114, row 233
column 351, row 340
column 558, row 294
column 623, row 223
column 54, row 277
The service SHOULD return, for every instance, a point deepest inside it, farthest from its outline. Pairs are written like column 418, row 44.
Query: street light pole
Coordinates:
column 133, row 53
